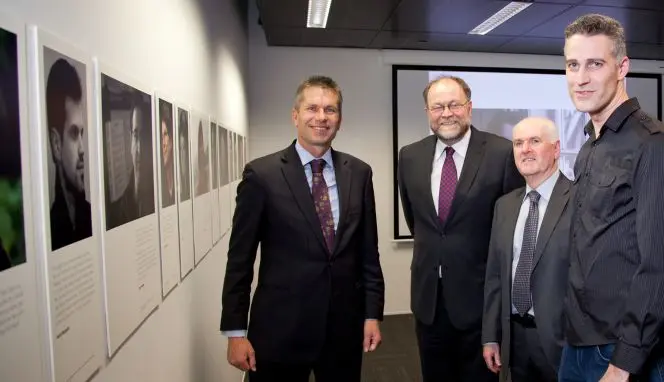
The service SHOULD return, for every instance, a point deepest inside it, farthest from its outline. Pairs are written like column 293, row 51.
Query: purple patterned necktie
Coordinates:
column 448, row 182
column 322, row 202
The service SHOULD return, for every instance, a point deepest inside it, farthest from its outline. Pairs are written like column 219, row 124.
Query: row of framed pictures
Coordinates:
column 110, row 194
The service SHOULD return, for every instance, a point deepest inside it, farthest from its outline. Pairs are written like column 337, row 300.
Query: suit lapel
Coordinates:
column 342, row 173
column 471, row 164
column 423, row 168
column 299, row 187
column 510, row 224
column 554, row 209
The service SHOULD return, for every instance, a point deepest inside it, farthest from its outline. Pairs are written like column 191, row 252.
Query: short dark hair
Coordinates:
column 62, row 83
column 595, row 24
column 319, row 82
column 458, row 80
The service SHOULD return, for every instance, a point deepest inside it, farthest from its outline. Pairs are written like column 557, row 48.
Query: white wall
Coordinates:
column 195, row 52
column 366, row 80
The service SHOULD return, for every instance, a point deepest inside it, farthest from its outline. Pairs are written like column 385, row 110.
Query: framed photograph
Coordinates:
column 126, row 114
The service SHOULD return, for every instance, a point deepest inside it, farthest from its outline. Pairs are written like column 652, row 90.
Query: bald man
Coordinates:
column 527, row 266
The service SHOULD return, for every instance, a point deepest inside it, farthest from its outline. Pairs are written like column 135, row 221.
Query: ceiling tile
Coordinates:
column 283, row 13
column 442, row 16
column 320, row 37
column 535, row 45
column 365, row 14
column 657, row 5
column 640, row 26
column 436, row 41
column 529, row 18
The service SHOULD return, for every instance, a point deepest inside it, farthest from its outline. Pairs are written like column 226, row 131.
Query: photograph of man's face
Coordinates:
column 203, row 170
column 66, row 120
column 128, row 143
column 183, row 147
column 213, row 158
column 166, row 153
column 12, row 239
column 135, row 133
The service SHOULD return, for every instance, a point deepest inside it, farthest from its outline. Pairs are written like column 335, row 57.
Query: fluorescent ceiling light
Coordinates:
column 508, row 11
column 318, row 12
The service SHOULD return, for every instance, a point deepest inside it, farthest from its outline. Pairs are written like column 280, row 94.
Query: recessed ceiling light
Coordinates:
column 508, row 11
column 318, row 12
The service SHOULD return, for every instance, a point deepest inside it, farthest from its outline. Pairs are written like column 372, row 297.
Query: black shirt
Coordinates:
column 616, row 292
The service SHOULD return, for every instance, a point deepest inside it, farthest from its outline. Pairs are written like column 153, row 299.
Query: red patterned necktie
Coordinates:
column 322, row 202
column 448, row 181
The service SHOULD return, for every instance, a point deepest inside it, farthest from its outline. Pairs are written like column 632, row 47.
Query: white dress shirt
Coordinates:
column 545, row 189
column 460, row 150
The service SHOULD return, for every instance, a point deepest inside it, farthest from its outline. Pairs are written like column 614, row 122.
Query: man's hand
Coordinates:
column 241, row 354
column 615, row 374
column 372, row 336
column 491, row 354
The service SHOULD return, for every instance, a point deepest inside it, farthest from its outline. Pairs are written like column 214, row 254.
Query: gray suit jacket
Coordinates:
column 549, row 275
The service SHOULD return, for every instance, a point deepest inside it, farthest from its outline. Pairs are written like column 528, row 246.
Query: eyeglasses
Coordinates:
column 454, row 107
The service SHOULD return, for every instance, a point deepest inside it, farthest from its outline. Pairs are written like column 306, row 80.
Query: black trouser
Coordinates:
column 449, row 354
column 527, row 359
column 339, row 360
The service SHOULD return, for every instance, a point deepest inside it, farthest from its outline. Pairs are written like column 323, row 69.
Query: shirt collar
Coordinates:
column 306, row 156
column 546, row 188
column 616, row 119
column 460, row 147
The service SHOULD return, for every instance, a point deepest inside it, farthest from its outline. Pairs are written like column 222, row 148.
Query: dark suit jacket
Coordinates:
column 549, row 275
column 461, row 245
column 303, row 291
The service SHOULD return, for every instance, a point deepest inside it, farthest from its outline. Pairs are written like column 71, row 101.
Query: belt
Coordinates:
column 527, row 321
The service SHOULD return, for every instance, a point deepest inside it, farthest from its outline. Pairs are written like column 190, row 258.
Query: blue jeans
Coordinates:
column 589, row 363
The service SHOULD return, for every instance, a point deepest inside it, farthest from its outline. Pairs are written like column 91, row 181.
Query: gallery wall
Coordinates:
column 194, row 55
column 365, row 77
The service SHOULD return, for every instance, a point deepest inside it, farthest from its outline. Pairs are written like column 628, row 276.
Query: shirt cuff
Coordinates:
column 629, row 358
column 234, row 333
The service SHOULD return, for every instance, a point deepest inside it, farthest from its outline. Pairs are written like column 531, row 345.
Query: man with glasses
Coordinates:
column 449, row 182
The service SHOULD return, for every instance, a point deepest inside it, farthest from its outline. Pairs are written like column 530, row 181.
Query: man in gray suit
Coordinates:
column 527, row 266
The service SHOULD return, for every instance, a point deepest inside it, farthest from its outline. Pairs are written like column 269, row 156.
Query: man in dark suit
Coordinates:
column 320, row 290
column 451, row 225
column 527, row 268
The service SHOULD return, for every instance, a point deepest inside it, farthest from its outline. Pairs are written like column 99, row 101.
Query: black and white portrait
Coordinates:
column 166, row 154
column 202, row 174
column 68, row 165
column 223, row 155
column 128, row 165
column 183, row 149
column 214, row 158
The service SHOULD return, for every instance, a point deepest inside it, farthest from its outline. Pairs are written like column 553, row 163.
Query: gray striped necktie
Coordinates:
column 521, row 296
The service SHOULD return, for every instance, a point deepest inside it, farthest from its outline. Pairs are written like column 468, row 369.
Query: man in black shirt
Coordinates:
column 615, row 301
column 71, row 216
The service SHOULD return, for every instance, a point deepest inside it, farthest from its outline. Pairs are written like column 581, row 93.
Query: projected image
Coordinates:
column 501, row 97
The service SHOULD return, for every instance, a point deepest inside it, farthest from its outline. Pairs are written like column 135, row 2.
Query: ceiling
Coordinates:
column 443, row 25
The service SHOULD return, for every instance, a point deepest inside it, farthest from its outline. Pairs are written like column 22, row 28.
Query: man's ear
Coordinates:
column 56, row 144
